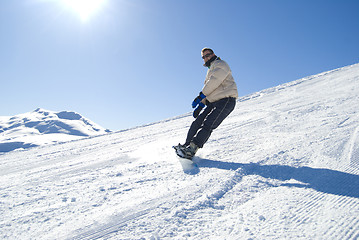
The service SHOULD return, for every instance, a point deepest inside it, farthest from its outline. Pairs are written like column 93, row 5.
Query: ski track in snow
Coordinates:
column 284, row 165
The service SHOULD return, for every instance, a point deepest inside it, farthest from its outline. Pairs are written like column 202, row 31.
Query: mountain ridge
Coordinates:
column 41, row 127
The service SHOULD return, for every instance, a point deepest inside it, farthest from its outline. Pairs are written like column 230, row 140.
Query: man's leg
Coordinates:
column 197, row 123
column 221, row 109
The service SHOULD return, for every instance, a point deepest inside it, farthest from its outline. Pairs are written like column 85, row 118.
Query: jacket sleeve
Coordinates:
column 215, row 78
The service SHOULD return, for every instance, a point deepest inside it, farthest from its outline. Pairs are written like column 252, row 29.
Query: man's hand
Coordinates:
column 198, row 99
column 198, row 110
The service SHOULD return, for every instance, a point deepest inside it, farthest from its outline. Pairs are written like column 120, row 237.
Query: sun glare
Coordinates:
column 84, row 8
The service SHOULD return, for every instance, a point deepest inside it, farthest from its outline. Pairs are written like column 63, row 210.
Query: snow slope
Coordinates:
column 42, row 127
column 284, row 165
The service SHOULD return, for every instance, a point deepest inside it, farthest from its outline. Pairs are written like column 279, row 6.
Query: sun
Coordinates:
column 84, row 8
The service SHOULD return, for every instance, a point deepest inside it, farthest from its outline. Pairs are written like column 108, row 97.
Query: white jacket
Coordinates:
column 219, row 82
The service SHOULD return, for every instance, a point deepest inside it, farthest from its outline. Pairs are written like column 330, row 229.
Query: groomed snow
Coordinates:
column 284, row 165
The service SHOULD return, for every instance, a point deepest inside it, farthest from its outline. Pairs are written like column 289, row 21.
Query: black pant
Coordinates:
column 212, row 116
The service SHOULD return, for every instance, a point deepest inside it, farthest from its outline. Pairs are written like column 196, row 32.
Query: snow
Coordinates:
column 42, row 127
column 283, row 165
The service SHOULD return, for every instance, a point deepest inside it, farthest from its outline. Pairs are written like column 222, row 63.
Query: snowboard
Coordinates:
column 188, row 165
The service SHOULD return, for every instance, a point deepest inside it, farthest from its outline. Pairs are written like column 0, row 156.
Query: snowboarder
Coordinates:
column 217, row 100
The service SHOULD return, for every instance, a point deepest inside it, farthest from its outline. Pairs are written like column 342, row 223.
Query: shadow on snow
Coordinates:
column 323, row 180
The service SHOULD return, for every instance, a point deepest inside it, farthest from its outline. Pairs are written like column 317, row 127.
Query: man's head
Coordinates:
column 207, row 54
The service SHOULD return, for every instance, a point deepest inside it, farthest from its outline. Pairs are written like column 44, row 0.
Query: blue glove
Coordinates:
column 198, row 110
column 198, row 99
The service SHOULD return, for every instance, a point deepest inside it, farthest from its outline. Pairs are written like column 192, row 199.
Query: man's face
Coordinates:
column 206, row 55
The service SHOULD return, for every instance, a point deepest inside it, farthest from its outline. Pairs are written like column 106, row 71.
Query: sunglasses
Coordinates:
column 206, row 56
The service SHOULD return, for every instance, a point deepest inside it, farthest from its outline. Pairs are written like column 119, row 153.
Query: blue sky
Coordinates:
column 133, row 62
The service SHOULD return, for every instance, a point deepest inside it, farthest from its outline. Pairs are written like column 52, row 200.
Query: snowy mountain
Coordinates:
column 42, row 127
column 284, row 165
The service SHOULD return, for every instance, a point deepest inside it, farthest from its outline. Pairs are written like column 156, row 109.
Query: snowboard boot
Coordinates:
column 190, row 151
column 180, row 146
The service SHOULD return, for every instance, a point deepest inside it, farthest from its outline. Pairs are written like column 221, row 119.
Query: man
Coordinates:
column 217, row 100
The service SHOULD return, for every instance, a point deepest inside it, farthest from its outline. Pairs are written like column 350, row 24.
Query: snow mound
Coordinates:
column 41, row 127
